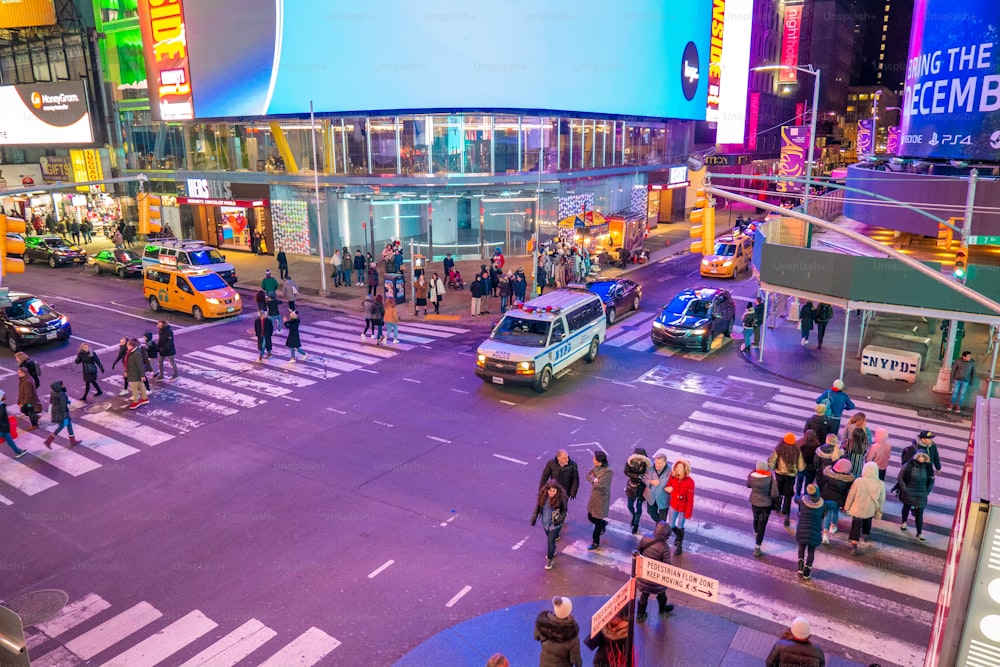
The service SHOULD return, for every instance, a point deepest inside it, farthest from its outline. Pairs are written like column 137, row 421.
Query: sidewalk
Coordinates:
column 685, row 637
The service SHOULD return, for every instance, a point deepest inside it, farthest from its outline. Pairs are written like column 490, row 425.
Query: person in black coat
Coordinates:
column 282, row 264
column 476, row 292
column 809, row 530
column 653, row 546
column 359, row 267
column 263, row 328
column 88, row 359
column 819, row 423
column 563, row 470
column 293, row 342
column 165, row 347
column 611, row 643
column 916, row 480
column 636, row 466
column 559, row 634
column 806, row 318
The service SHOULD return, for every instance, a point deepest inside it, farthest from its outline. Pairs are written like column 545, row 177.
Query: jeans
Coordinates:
column 786, row 487
column 760, row 517
column 860, row 527
column 635, row 509
column 552, row 536
column 276, row 322
column 347, row 277
column 377, row 323
column 803, row 479
column 504, row 300
column 264, row 346
column 676, row 519
column 173, row 365
column 958, row 393
column 392, row 330
column 10, row 442
column 293, row 351
column 747, row 336
column 918, row 516
column 283, row 271
column 599, row 526
column 655, row 513
column 830, row 514
column 65, row 424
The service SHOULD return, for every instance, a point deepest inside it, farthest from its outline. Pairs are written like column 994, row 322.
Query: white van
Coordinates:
column 180, row 254
column 540, row 340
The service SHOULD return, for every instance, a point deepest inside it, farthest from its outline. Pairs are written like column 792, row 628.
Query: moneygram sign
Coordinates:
column 45, row 113
column 951, row 99
column 165, row 46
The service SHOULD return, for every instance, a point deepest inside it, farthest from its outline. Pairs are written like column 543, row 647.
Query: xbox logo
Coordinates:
column 995, row 139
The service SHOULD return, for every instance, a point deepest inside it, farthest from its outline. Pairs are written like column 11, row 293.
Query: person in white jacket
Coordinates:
column 865, row 501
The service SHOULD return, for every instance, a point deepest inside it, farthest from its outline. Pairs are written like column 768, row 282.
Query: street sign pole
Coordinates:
column 630, row 638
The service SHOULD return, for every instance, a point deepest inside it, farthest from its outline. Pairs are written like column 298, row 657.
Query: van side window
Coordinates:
column 158, row 276
column 183, row 285
column 152, row 252
column 584, row 315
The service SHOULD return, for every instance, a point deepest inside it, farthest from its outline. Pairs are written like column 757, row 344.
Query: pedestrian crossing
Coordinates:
column 633, row 333
column 879, row 603
column 87, row 631
column 217, row 382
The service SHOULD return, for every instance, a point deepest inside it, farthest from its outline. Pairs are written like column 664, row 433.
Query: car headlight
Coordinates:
column 705, row 261
column 728, row 262
column 525, row 367
column 63, row 321
column 699, row 332
column 213, row 301
column 657, row 325
column 480, row 360
column 236, row 297
column 24, row 329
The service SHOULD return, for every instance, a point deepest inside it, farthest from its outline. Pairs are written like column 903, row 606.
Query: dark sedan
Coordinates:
column 694, row 318
column 618, row 294
column 125, row 263
column 27, row 320
column 53, row 250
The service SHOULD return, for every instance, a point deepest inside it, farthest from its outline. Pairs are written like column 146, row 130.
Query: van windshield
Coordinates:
column 209, row 281
column 204, row 257
column 522, row 331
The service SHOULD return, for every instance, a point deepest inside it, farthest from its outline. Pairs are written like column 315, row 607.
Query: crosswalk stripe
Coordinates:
column 265, row 374
column 627, row 337
column 120, row 424
column 153, row 650
column 630, row 321
column 328, row 328
column 58, row 457
column 102, row 444
column 172, row 397
column 109, row 633
column 250, row 353
column 428, row 329
column 246, row 350
column 73, row 614
column 234, row 647
column 339, row 342
column 350, row 339
column 238, row 398
column 307, row 649
column 24, row 479
column 4, row 500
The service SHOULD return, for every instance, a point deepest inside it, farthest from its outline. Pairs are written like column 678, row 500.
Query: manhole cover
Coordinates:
column 97, row 407
column 38, row 607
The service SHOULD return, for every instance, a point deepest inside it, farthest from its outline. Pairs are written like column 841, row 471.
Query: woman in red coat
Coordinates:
column 680, row 486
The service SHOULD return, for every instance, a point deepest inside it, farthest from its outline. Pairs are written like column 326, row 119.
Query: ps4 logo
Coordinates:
column 950, row 140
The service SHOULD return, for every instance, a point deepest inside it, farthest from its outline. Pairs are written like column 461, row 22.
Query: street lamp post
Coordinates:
column 809, row 69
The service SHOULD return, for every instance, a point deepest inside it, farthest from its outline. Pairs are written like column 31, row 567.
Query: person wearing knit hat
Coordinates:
column 559, row 635
column 865, row 501
column 786, row 461
column 795, row 647
column 763, row 493
column 809, row 529
column 835, row 483
column 836, row 401
column 915, row 482
column 819, row 422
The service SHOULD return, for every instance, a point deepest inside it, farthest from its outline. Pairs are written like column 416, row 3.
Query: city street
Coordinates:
column 343, row 510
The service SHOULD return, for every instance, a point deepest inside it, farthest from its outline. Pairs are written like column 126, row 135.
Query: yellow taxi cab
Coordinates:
column 200, row 292
column 731, row 255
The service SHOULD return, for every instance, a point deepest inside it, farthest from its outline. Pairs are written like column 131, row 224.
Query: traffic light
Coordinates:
column 10, row 246
column 703, row 229
column 961, row 264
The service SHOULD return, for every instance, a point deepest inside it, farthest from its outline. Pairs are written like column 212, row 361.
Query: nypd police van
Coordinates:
column 539, row 340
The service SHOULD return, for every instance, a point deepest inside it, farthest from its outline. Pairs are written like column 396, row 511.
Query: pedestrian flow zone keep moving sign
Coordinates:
column 674, row 577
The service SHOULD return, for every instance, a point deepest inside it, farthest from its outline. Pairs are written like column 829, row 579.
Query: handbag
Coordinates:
column 775, row 496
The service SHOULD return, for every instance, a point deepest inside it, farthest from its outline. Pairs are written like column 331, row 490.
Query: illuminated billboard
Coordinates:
column 791, row 35
column 735, row 72
column 26, row 13
column 646, row 58
column 951, row 98
column 44, row 113
column 715, row 59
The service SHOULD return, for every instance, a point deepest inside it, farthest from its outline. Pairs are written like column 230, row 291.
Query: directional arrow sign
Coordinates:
column 608, row 610
column 674, row 577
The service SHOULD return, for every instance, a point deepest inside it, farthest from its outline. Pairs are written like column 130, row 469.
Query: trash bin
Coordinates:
column 395, row 287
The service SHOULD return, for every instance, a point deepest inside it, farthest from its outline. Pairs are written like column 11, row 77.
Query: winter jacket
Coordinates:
column 636, row 466
column 359, row 264
column 421, row 288
column 134, row 369
column 760, row 489
column 391, row 313
column 610, row 643
column 151, row 348
column 475, row 289
column 90, row 364
column 809, row 530
column 32, row 367
column 657, row 493
column 269, row 285
column 808, row 450
column 58, row 403
column 552, row 517
column 825, row 456
column 272, row 308
column 289, row 289
column 839, row 401
column 263, row 328
column 506, row 289
column 915, row 483
column 780, row 467
column 378, row 313
column 917, row 446
column 866, row 498
column 835, row 485
column 806, row 318
column 681, row 494
column 600, row 494
column 146, row 366
column 567, row 476
column 165, row 342
column 4, row 418
column 880, row 453
column 560, row 639
column 820, row 424
column 654, row 547
column 372, row 276
column 791, row 652
column 367, row 308
column 293, row 339
column 27, row 395
column 122, row 349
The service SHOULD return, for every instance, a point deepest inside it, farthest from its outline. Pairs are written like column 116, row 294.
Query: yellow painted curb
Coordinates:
column 446, row 318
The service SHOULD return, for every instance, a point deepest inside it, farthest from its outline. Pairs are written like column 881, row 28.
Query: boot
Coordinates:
column 801, row 566
column 48, row 441
column 674, row 531
column 806, row 572
column 635, row 525
column 640, row 614
column 73, row 442
column 679, row 542
column 664, row 607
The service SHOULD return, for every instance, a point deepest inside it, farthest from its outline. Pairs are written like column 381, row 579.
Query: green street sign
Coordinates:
column 984, row 240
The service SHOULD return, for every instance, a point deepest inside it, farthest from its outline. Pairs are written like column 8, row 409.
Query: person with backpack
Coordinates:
column 914, row 485
column 819, row 423
column 654, row 547
column 289, row 290
column 87, row 358
column 551, row 506
column 836, row 401
column 786, row 461
column 749, row 322
column 809, row 529
column 27, row 398
column 822, row 316
column 924, row 442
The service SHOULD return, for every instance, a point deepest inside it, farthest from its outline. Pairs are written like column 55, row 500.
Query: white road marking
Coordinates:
column 58, row 457
column 386, row 424
column 339, row 412
column 507, row 402
column 563, row 414
column 437, row 439
column 459, row 391
column 157, row 648
column 18, row 475
column 458, row 596
column 263, row 373
column 109, row 633
column 366, row 370
column 5, row 500
column 507, row 458
column 411, row 380
column 103, row 444
column 307, row 649
column 112, row 421
column 234, row 647
column 378, row 570
column 73, row 614
column 519, row 544
column 444, row 524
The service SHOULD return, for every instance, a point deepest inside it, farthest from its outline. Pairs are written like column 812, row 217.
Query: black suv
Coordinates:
column 54, row 250
column 694, row 318
column 27, row 320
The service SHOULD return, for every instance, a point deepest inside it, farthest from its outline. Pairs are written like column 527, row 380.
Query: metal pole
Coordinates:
column 413, row 279
column 630, row 638
column 993, row 366
column 319, row 218
column 864, row 322
column 812, row 143
column 843, row 347
column 970, row 199
column 763, row 329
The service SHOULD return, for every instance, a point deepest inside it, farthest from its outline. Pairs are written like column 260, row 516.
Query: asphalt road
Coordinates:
column 345, row 509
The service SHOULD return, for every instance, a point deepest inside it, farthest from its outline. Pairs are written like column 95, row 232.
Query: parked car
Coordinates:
column 54, row 250
column 125, row 263
column 14, row 236
column 732, row 254
column 619, row 295
column 694, row 318
column 27, row 320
